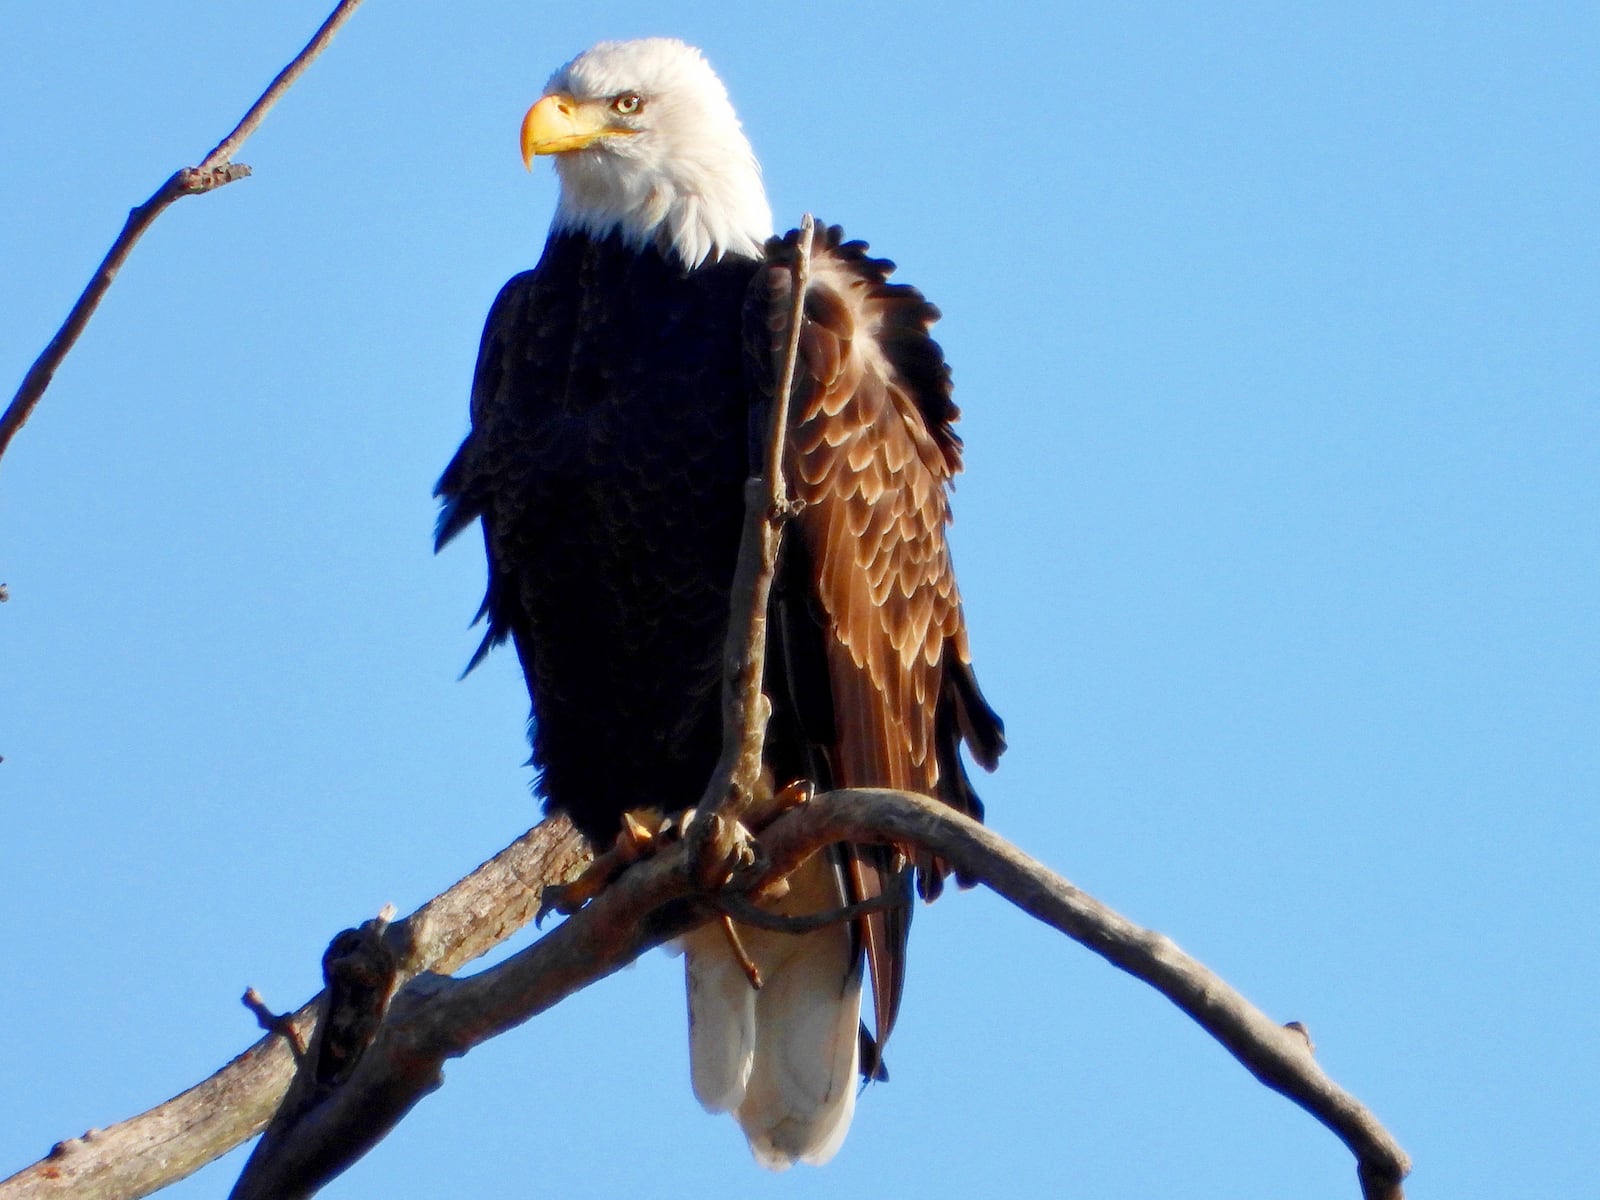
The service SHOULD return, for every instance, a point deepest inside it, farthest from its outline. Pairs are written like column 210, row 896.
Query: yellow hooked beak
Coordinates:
column 558, row 123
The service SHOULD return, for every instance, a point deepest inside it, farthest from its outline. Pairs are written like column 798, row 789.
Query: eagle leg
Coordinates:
column 644, row 832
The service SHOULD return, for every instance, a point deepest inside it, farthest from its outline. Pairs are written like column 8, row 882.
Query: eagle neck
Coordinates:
column 693, row 216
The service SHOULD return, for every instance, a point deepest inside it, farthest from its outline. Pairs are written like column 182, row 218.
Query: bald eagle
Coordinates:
column 621, row 385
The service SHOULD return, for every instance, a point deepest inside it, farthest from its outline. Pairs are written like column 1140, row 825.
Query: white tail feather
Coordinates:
column 783, row 1060
column 722, row 1020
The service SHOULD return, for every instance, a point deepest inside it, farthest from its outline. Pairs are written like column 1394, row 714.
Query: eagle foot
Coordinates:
column 787, row 798
column 729, row 850
column 733, row 849
column 644, row 832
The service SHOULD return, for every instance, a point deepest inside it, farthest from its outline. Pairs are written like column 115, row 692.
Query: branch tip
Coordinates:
column 214, row 171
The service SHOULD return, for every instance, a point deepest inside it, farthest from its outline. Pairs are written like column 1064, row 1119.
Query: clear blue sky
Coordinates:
column 1275, row 328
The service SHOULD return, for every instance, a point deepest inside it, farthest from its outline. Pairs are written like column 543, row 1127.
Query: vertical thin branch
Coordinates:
column 778, row 433
column 744, row 706
column 214, row 171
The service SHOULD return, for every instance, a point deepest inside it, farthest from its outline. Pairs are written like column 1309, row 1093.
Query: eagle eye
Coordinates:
column 627, row 104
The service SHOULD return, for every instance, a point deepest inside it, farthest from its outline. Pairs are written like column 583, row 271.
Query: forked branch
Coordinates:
column 437, row 1018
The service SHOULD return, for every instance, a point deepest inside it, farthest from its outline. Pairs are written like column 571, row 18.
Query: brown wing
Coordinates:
column 871, row 454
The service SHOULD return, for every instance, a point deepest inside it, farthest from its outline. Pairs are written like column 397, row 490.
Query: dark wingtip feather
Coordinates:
column 981, row 727
column 873, row 1069
column 498, row 629
column 461, row 505
column 490, row 640
column 454, row 516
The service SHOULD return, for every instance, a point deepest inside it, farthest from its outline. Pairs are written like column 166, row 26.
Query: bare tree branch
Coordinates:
column 215, row 170
column 145, row 1153
column 433, row 1018
column 1279, row 1056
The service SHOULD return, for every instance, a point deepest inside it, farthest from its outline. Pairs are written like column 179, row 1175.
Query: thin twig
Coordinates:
column 783, row 394
column 224, row 150
column 736, row 907
column 214, row 171
column 273, row 1022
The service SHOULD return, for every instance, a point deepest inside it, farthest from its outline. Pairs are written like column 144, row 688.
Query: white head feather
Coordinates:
column 686, row 180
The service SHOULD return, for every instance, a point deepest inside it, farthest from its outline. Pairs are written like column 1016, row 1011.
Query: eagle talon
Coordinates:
column 745, row 854
column 792, row 795
column 568, row 898
column 644, row 832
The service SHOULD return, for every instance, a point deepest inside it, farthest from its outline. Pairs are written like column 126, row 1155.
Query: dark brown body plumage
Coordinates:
column 612, row 418
column 606, row 461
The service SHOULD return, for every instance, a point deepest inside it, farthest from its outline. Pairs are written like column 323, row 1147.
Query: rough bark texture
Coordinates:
column 147, row 1152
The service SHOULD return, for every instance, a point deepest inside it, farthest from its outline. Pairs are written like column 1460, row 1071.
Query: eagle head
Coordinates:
column 646, row 143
